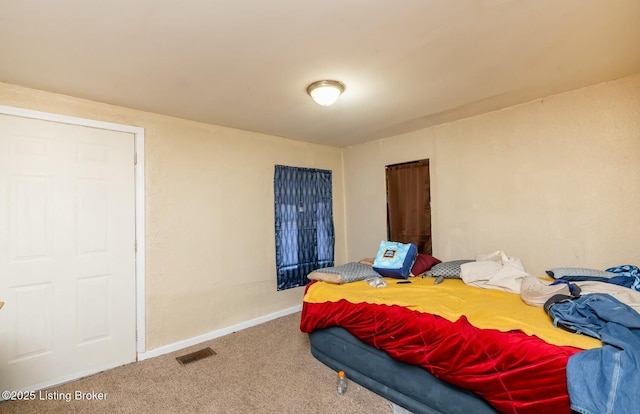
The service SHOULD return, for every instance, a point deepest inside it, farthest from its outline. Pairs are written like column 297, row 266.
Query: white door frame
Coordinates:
column 138, row 134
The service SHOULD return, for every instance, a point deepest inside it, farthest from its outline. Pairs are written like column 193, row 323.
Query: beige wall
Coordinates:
column 210, row 248
column 555, row 182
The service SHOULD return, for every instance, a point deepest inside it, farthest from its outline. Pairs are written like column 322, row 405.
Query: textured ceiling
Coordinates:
column 406, row 64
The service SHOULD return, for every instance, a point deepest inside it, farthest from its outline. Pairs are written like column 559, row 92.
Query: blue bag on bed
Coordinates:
column 395, row 259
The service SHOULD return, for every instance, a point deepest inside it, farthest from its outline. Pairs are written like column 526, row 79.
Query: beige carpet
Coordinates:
column 264, row 369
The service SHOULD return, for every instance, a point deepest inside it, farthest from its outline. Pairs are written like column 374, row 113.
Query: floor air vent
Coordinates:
column 195, row 356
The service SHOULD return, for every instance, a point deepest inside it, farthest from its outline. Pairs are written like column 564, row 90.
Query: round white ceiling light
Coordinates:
column 325, row 92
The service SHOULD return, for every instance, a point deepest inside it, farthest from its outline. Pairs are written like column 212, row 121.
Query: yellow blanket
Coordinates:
column 484, row 308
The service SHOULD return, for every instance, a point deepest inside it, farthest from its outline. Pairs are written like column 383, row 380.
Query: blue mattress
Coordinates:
column 409, row 386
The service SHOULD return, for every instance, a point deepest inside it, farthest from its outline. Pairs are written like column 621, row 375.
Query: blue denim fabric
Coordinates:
column 602, row 380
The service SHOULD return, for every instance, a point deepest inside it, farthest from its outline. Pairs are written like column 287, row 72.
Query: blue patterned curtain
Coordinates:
column 303, row 222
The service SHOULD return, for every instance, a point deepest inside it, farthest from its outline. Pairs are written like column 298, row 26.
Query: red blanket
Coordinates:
column 514, row 372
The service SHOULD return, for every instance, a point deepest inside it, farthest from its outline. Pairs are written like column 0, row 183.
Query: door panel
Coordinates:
column 67, row 252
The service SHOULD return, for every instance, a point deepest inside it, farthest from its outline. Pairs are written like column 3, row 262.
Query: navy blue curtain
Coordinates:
column 303, row 222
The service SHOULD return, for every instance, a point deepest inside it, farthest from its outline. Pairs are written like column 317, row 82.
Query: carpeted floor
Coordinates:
column 264, row 369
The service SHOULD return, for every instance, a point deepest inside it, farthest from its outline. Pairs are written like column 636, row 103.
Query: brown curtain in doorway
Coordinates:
column 409, row 204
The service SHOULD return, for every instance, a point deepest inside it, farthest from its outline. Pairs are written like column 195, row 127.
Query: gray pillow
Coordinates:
column 449, row 270
column 349, row 272
column 559, row 272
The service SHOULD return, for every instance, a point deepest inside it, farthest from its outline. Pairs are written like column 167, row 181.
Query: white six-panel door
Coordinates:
column 67, row 252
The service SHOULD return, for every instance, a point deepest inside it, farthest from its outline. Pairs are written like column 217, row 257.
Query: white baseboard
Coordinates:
column 215, row 334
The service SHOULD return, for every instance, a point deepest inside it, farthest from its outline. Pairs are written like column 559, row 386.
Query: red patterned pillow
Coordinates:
column 423, row 263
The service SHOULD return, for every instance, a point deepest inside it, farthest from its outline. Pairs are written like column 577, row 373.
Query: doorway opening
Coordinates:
column 409, row 204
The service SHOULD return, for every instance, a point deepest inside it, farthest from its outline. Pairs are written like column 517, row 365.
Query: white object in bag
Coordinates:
column 494, row 271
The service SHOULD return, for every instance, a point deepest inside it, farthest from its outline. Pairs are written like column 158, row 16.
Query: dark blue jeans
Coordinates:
column 603, row 380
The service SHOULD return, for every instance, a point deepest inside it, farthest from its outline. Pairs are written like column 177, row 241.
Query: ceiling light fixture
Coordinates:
column 325, row 92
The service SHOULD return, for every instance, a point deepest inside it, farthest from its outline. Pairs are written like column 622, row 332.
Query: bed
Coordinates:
column 443, row 348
